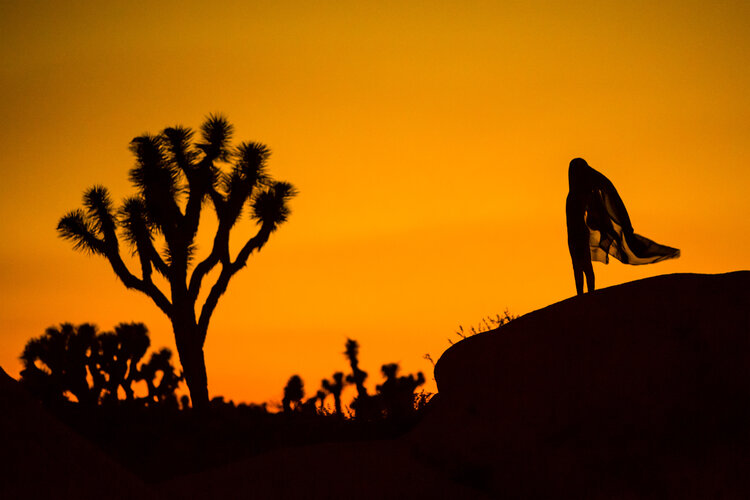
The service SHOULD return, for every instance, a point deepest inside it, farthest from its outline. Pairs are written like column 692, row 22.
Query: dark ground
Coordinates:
column 636, row 391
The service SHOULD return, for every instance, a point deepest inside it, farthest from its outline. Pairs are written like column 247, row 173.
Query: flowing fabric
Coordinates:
column 609, row 227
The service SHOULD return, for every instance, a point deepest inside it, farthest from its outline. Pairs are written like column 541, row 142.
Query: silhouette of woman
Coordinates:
column 599, row 226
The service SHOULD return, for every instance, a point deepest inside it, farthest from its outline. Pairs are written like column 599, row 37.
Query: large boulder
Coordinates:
column 637, row 391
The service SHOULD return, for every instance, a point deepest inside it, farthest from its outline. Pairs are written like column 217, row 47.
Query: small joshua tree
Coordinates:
column 60, row 362
column 117, row 357
column 335, row 387
column 363, row 405
column 358, row 376
column 162, row 393
column 293, row 394
column 314, row 405
column 397, row 393
column 176, row 177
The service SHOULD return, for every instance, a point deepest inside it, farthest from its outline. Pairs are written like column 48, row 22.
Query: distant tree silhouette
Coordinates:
column 394, row 398
column 162, row 393
column 93, row 366
column 65, row 359
column 362, row 404
column 117, row 357
column 314, row 405
column 358, row 376
column 397, row 393
column 335, row 387
column 293, row 394
column 176, row 177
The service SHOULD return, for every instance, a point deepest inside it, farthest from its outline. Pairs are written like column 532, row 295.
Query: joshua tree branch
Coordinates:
column 145, row 261
column 212, row 300
column 201, row 270
column 200, row 178
column 254, row 243
column 219, row 202
column 219, row 252
column 227, row 271
column 145, row 285
column 156, row 259
column 220, row 249
column 148, row 257
column 193, row 211
column 197, row 179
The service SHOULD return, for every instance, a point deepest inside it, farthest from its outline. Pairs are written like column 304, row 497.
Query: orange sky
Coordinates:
column 429, row 142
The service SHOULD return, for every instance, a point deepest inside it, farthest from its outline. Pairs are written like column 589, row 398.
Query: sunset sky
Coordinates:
column 429, row 142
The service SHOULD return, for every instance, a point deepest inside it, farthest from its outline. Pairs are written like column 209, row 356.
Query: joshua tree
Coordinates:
column 357, row 377
column 293, row 393
column 362, row 405
column 60, row 361
column 335, row 387
column 164, row 392
column 397, row 393
column 176, row 177
column 93, row 366
column 310, row 406
column 117, row 356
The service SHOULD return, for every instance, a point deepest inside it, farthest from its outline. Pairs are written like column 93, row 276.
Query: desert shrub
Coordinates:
column 487, row 324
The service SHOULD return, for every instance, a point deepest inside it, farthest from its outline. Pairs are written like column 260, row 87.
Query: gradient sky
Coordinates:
column 429, row 141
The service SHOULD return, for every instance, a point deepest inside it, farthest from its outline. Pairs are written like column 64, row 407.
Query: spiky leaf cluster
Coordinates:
column 175, row 177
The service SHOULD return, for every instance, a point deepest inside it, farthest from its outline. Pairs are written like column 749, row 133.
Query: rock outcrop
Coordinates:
column 637, row 391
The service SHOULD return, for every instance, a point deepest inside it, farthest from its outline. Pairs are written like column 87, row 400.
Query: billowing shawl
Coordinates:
column 610, row 230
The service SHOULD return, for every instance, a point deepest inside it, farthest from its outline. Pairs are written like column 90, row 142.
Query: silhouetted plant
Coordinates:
column 358, row 376
column 397, row 393
column 162, row 393
column 362, row 404
column 315, row 404
column 395, row 397
column 421, row 400
column 60, row 361
column 175, row 178
column 488, row 323
column 117, row 357
column 293, row 394
column 93, row 366
column 335, row 387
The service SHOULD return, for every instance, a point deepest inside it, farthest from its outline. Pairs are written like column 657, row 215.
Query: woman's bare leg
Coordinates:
column 578, row 274
column 580, row 255
column 588, row 270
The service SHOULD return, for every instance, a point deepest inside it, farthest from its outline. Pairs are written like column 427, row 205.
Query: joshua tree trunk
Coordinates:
column 190, row 349
column 194, row 367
